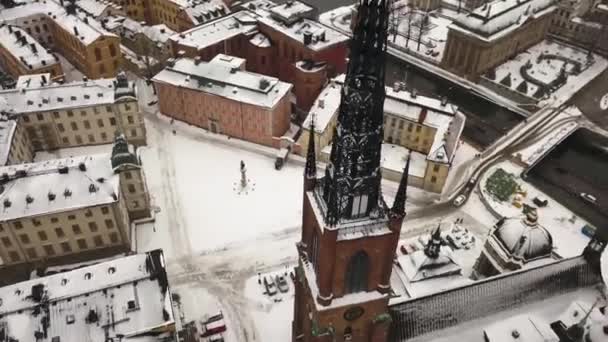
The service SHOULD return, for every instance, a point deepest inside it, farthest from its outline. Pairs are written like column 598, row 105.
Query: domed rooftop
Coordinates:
column 524, row 238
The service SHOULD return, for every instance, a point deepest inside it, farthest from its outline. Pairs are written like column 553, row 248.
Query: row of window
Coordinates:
column 37, row 222
column 70, row 113
column 59, row 232
column 64, row 247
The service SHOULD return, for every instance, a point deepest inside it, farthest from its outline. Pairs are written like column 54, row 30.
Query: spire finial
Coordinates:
column 311, row 161
column 401, row 197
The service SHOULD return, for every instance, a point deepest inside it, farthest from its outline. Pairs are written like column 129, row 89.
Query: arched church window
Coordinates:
column 356, row 273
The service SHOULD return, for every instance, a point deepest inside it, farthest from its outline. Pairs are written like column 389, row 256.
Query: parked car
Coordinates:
column 458, row 201
column 588, row 230
column 588, row 197
column 540, row 201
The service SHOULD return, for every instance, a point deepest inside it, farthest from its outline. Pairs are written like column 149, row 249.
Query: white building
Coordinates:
column 122, row 299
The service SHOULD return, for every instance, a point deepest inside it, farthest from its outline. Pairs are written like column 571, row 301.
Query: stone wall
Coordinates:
column 488, row 296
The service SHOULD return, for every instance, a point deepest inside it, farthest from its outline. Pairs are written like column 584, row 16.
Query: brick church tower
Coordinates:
column 349, row 234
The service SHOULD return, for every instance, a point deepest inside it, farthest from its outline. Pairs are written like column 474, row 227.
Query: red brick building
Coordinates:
column 223, row 98
column 283, row 41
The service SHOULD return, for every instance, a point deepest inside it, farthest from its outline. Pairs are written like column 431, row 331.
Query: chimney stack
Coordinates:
column 75, row 31
column 307, row 37
column 33, row 47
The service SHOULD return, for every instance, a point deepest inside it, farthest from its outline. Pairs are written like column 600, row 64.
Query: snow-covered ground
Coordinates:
column 564, row 226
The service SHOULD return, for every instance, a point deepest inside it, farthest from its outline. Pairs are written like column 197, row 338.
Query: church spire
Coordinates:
column 310, row 171
column 352, row 178
column 401, row 197
column 434, row 245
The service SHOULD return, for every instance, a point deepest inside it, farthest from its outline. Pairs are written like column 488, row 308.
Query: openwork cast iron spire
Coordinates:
column 352, row 178
column 310, row 170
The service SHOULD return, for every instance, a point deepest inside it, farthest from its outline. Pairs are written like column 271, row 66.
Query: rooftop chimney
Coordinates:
column 444, row 101
column 33, row 47
column 75, row 31
column 307, row 37
column 197, row 60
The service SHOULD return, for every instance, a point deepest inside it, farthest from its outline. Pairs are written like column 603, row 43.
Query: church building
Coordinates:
column 349, row 234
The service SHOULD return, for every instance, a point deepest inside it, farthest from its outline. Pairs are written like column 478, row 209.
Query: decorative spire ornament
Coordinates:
column 401, row 196
column 310, row 171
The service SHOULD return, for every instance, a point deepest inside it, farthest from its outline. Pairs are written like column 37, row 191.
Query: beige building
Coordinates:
column 21, row 54
column 64, row 209
column 76, row 114
column 15, row 146
column 426, row 129
column 85, row 43
column 494, row 32
column 581, row 23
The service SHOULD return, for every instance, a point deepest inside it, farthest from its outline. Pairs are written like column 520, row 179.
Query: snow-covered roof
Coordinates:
column 26, row 50
column 291, row 11
column 41, row 8
column 229, row 61
column 418, row 266
column 87, row 33
column 59, row 96
column 260, row 40
column 96, row 7
column 7, row 130
column 126, row 297
column 158, row 33
column 520, row 328
column 217, row 31
column 498, row 17
column 222, row 80
column 325, row 107
column 205, row 11
column 89, row 181
column 322, row 36
column 33, row 80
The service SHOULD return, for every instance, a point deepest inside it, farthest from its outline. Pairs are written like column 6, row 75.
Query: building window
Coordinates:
column 70, row 113
column 91, row 138
column 59, row 232
column 60, row 127
column 433, row 179
column 18, row 225
column 410, row 126
column 112, row 50
column 74, row 126
column 130, row 119
column 97, row 54
column 100, row 122
column 78, row 139
column 36, row 222
column 24, row 238
column 65, row 140
column 98, row 241
column 82, row 243
column 102, row 69
column 56, row 115
column 131, row 188
column 65, row 247
column 114, row 237
column 105, row 210
column 31, row 253
column 112, row 121
column 76, row 229
column 87, row 125
column 128, row 108
column 356, row 273
column 401, row 124
column 14, row 256
column 418, row 128
column 104, row 136
column 109, row 109
column 83, row 113
column 109, row 224
column 26, row 118
column 93, row 227
column 6, row 242
column 49, row 250
column 39, row 117
column 435, row 168
column 42, row 235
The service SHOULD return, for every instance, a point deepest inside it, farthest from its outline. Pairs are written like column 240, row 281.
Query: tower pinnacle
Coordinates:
column 401, row 197
column 310, row 170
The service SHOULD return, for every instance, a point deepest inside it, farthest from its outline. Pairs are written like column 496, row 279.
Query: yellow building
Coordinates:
column 80, row 207
column 21, row 54
column 426, row 129
column 85, row 43
column 76, row 114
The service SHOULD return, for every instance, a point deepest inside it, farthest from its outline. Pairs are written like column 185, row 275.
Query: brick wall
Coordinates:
column 486, row 297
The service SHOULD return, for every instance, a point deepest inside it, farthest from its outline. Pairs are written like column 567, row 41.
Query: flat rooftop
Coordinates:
column 73, row 183
column 220, row 79
column 126, row 297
